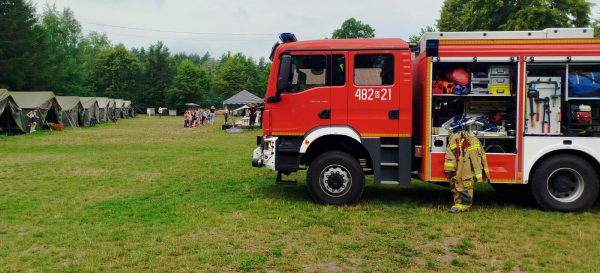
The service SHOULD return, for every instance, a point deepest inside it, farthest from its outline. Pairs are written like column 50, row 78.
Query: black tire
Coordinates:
column 338, row 188
column 565, row 183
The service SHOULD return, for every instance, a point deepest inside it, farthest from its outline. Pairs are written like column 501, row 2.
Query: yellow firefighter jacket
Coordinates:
column 465, row 158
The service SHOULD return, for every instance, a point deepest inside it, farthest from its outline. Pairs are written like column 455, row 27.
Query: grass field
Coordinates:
column 148, row 195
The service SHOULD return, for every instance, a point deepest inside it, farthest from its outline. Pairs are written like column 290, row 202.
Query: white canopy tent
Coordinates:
column 242, row 98
column 242, row 109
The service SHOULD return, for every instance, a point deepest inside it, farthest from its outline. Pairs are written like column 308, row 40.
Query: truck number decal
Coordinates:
column 370, row 94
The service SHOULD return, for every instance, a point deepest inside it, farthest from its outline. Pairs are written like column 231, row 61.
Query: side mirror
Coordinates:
column 284, row 73
column 273, row 99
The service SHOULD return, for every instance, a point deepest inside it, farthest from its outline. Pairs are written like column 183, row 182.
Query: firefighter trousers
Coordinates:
column 463, row 192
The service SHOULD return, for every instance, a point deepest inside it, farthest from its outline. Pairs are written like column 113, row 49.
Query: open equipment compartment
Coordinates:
column 582, row 95
column 486, row 108
column 578, row 110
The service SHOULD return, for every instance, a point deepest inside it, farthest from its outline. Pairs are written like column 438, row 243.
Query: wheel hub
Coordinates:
column 335, row 180
column 561, row 184
column 565, row 185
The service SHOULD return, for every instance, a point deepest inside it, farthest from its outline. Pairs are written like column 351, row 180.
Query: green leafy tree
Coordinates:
column 415, row 38
column 18, row 44
column 474, row 15
column 231, row 78
column 263, row 81
column 116, row 73
column 91, row 47
column 262, row 64
column 191, row 84
column 252, row 72
column 51, row 53
column 212, row 66
column 159, row 71
column 140, row 53
column 61, row 38
column 353, row 29
column 195, row 58
column 596, row 26
column 224, row 57
column 205, row 58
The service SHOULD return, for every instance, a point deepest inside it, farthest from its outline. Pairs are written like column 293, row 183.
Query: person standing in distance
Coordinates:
column 148, row 112
column 186, row 116
column 32, row 115
column 160, row 110
column 252, row 113
column 225, row 113
column 212, row 115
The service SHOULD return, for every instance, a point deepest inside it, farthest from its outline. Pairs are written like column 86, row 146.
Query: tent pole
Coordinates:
column 70, row 119
column 7, row 116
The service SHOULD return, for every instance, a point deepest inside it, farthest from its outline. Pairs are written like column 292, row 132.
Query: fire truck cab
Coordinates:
column 344, row 109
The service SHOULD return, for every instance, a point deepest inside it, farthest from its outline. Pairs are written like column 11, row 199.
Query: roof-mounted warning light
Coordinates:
column 288, row 37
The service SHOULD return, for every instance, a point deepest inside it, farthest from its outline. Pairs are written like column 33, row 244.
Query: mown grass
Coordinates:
column 147, row 195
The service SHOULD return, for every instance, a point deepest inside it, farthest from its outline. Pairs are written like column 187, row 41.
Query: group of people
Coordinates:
column 193, row 119
column 160, row 112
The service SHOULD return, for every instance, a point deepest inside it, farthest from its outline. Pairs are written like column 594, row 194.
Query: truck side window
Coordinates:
column 338, row 70
column 308, row 71
column 374, row 69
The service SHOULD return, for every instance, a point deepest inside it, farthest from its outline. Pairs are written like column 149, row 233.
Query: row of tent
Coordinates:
column 67, row 110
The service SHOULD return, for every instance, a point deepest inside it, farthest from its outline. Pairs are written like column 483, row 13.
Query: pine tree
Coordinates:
column 19, row 39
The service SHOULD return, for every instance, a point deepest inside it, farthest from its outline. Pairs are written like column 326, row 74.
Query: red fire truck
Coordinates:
column 343, row 109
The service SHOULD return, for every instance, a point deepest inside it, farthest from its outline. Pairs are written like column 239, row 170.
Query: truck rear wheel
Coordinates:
column 335, row 178
column 565, row 183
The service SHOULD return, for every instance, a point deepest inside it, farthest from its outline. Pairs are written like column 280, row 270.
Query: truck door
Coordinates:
column 339, row 88
column 306, row 103
column 373, row 99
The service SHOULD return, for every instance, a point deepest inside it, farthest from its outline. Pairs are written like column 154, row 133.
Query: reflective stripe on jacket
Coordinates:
column 476, row 154
column 465, row 156
column 452, row 150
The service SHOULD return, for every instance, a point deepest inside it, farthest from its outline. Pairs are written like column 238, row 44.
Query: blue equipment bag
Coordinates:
column 582, row 84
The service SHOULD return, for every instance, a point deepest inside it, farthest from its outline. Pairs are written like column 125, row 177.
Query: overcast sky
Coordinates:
column 308, row 19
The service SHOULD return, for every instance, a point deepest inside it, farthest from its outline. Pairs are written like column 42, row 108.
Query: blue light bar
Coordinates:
column 288, row 37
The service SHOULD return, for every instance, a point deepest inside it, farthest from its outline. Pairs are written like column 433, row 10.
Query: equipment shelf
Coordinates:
column 496, row 137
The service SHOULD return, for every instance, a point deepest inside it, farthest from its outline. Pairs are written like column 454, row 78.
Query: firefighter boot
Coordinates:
column 463, row 194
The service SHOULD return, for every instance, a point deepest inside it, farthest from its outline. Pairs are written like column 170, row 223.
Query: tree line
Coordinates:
column 50, row 52
column 512, row 15
column 504, row 15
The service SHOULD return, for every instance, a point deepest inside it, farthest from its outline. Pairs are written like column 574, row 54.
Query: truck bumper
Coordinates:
column 265, row 154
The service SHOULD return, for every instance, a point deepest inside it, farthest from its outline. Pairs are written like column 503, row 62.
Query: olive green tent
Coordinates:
column 90, row 109
column 103, row 105
column 128, row 109
column 8, row 122
column 72, row 110
column 119, row 106
column 48, row 108
column 112, row 110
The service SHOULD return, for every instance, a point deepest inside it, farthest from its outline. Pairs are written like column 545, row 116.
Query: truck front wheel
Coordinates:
column 565, row 183
column 335, row 178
